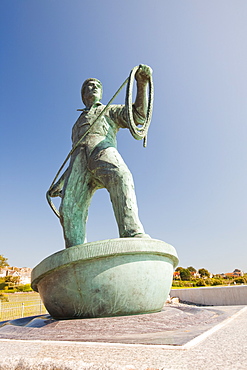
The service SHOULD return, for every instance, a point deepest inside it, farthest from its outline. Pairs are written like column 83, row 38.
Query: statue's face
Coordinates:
column 92, row 91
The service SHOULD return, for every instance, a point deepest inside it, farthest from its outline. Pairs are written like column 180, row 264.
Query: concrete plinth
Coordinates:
column 108, row 278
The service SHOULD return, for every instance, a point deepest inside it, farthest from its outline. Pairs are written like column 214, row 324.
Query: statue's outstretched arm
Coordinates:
column 142, row 77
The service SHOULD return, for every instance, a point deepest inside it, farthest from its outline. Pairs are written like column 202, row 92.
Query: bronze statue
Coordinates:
column 121, row 276
column 95, row 162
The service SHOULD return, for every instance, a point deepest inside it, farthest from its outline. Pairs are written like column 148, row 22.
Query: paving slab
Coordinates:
column 175, row 325
column 221, row 346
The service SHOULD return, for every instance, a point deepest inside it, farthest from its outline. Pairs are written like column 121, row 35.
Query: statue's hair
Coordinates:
column 85, row 84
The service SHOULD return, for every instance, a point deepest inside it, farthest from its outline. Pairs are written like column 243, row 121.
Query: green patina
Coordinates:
column 125, row 276
column 106, row 278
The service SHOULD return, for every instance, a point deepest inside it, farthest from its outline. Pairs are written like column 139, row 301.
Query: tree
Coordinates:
column 191, row 269
column 217, row 281
column 185, row 274
column 240, row 280
column 12, row 279
column 179, row 269
column 3, row 298
column 204, row 273
column 200, row 282
column 3, row 261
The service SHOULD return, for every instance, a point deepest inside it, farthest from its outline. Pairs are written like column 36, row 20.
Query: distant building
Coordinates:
column 23, row 272
column 195, row 274
column 235, row 273
column 176, row 275
column 25, row 275
column 238, row 272
column 3, row 272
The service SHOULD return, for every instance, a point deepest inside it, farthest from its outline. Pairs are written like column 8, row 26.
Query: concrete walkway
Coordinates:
column 222, row 347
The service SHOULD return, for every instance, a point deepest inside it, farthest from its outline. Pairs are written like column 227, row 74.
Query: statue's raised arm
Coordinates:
column 140, row 113
column 142, row 76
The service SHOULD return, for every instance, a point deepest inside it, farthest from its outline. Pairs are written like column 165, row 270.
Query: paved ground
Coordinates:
column 224, row 346
column 176, row 324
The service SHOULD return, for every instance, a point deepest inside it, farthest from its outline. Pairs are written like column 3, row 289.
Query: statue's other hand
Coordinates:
column 143, row 73
column 55, row 191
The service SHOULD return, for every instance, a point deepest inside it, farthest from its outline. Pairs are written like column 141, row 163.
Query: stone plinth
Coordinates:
column 107, row 278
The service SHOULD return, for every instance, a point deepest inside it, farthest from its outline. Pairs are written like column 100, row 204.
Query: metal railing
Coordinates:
column 16, row 310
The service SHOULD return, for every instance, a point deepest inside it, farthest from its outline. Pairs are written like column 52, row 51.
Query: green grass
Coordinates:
column 21, row 305
column 204, row 286
column 22, row 296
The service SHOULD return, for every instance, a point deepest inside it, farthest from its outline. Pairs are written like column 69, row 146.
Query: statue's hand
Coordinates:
column 55, row 191
column 143, row 73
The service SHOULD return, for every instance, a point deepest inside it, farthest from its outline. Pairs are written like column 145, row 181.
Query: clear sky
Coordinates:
column 191, row 179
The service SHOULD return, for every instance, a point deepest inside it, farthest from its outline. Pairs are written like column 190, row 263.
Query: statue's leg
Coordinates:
column 109, row 168
column 77, row 194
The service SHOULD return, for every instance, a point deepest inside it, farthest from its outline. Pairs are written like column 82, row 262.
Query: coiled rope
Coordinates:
column 138, row 133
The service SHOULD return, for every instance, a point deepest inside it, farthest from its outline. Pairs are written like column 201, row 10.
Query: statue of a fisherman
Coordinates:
column 97, row 164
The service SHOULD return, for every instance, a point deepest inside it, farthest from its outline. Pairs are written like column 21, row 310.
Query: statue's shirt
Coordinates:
column 103, row 132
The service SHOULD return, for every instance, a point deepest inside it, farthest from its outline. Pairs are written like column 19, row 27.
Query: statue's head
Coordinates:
column 91, row 91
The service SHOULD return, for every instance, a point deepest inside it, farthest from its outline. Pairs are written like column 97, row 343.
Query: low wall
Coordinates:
column 214, row 296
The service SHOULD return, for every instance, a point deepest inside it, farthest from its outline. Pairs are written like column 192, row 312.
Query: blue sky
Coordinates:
column 190, row 180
